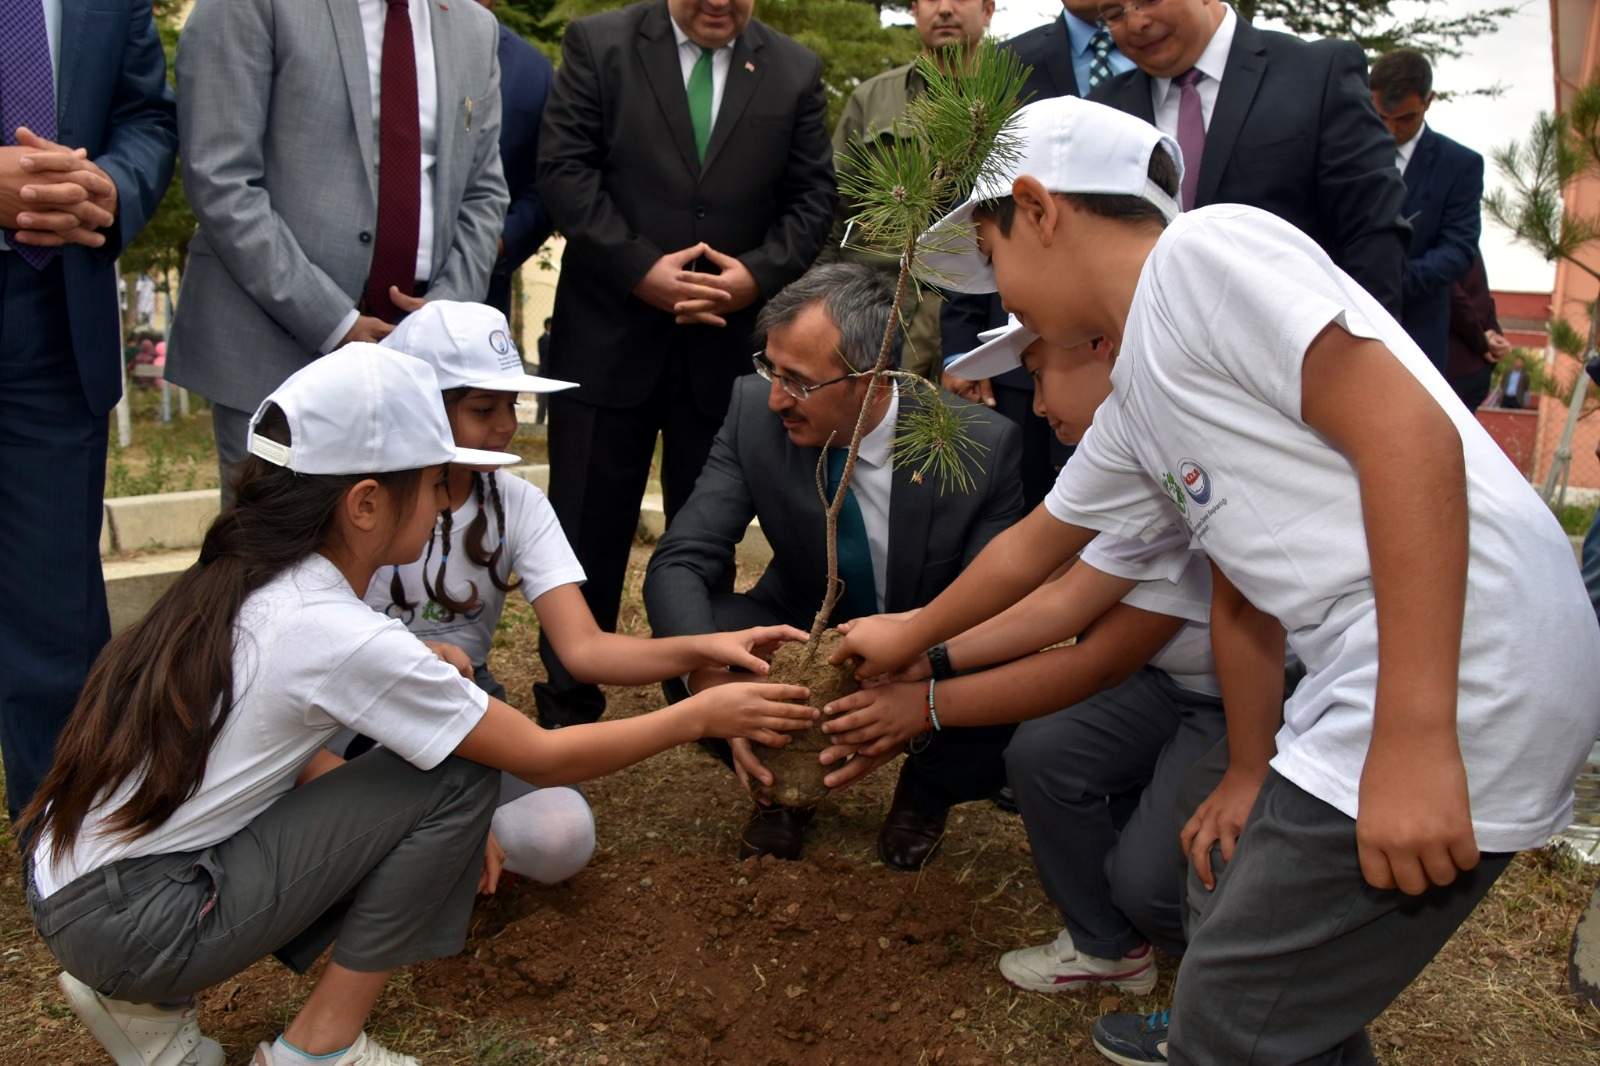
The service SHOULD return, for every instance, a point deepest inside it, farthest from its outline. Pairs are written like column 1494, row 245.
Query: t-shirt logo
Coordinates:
column 510, row 358
column 1196, row 482
column 1174, row 490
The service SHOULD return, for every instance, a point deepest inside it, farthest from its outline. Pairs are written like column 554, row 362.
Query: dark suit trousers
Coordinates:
column 599, row 465
column 52, row 479
column 957, row 766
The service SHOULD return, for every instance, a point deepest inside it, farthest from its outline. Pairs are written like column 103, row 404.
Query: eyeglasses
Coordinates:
column 1113, row 14
column 798, row 391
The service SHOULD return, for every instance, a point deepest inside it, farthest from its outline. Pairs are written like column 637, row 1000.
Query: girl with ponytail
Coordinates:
column 191, row 822
column 497, row 525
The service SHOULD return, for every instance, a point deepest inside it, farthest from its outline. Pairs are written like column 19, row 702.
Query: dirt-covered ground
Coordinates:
column 667, row 950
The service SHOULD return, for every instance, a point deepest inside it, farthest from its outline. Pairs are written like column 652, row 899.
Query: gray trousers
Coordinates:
column 231, row 427
column 1294, row 953
column 376, row 857
column 1097, row 785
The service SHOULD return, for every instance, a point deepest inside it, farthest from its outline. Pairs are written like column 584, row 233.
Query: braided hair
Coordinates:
column 487, row 490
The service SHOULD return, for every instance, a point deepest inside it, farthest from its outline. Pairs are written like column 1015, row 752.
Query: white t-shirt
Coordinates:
column 1174, row 580
column 1205, row 413
column 309, row 657
column 536, row 551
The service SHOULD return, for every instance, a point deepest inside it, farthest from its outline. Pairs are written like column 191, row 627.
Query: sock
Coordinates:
column 547, row 834
column 286, row 1054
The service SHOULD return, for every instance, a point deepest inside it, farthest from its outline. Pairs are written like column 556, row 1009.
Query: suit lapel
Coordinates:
column 72, row 29
column 442, row 30
column 745, row 71
column 1419, row 175
column 1241, row 77
column 1133, row 96
column 658, row 54
column 352, row 46
column 910, row 519
column 1058, row 60
column 800, row 470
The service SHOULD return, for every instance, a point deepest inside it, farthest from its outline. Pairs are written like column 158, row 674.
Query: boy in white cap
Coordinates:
column 1399, row 550
column 497, row 525
column 180, row 836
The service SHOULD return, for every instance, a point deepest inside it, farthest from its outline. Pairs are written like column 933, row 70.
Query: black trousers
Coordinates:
column 52, row 480
column 599, row 466
column 957, row 766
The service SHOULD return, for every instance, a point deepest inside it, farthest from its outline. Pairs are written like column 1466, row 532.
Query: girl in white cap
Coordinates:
column 497, row 525
column 170, row 847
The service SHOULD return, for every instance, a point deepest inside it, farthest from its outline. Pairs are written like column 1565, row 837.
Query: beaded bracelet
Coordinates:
column 933, row 712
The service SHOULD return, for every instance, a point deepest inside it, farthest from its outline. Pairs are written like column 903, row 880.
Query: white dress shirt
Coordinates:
column 721, row 60
column 1212, row 62
column 872, row 483
column 1406, row 151
column 373, row 14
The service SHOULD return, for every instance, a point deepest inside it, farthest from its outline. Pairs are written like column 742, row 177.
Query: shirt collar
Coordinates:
column 1080, row 32
column 1214, row 60
column 1409, row 149
column 877, row 446
column 683, row 38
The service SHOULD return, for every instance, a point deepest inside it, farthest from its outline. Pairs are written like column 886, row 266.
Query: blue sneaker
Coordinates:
column 1133, row 1039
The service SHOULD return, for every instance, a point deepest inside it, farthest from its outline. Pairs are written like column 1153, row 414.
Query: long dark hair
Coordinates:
column 160, row 693
column 486, row 487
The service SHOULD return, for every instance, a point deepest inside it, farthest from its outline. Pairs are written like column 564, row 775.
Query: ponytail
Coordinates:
column 161, row 691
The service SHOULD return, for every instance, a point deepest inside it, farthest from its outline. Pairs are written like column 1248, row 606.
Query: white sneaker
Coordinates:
column 140, row 1034
column 1060, row 967
column 364, row 1052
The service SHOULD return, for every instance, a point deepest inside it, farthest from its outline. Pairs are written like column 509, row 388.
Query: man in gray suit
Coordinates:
column 342, row 157
column 901, row 540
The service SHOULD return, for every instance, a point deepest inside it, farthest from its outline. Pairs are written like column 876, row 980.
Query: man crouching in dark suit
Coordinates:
column 821, row 332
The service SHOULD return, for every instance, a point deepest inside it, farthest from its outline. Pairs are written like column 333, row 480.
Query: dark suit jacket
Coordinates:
column 619, row 173
column 1047, row 51
column 1444, row 197
column 525, row 76
column 114, row 101
column 1294, row 133
column 754, row 472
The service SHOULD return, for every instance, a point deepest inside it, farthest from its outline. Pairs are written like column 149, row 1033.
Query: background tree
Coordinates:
column 1433, row 27
column 163, row 243
column 1532, row 205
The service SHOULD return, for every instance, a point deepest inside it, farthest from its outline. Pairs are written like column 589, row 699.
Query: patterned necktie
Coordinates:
column 860, row 597
column 394, row 253
column 1099, row 57
column 699, row 89
column 27, row 90
column 1191, row 132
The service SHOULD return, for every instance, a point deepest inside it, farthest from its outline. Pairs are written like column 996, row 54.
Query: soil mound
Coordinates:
column 797, row 776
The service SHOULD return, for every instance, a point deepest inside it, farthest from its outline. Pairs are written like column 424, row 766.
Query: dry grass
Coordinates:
column 1496, row 996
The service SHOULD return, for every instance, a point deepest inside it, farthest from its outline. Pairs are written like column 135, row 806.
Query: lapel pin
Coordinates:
column 751, row 67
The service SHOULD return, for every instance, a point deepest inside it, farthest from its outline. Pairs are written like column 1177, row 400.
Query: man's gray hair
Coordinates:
column 857, row 298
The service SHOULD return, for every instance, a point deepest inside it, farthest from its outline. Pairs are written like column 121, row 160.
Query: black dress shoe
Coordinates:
column 910, row 833
column 1005, row 799
column 774, row 830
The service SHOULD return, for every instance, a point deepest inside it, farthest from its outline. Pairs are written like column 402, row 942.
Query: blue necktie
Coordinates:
column 860, row 597
column 27, row 89
column 1099, row 57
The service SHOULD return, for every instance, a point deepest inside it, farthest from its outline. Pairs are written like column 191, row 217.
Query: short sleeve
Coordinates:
column 1165, row 557
column 1103, row 486
column 392, row 688
column 1186, row 596
column 537, row 546
column 1261, row 292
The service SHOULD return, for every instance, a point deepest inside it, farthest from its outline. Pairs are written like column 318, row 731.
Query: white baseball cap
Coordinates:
column 1069, row 145
column 469, row 346
column 364, row 410
column 1000, row 351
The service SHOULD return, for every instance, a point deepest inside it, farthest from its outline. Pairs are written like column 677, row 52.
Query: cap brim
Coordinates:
column 521, row 383
column 948, row 256
column 994, row 357
column 478, row 457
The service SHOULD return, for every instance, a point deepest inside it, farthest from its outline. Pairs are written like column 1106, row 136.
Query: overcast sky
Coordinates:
column 1517, row 57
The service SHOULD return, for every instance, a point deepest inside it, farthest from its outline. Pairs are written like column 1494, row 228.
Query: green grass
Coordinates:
column 1576, row 518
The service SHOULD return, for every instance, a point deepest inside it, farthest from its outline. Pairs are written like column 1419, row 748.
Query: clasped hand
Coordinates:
column 696, row 297
column 52, row 195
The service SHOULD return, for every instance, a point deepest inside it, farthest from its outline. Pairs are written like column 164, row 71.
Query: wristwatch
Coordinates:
column 939, row 660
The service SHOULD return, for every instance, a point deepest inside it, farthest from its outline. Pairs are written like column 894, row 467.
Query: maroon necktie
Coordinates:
column 394, row 255
column 1191, row 132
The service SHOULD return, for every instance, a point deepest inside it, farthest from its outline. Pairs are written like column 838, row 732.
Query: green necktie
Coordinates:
column 855, row 550
column 700, row 102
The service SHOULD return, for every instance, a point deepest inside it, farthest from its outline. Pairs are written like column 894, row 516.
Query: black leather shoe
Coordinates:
column 910, row 834
column 1005, row 799
column 773, row 830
